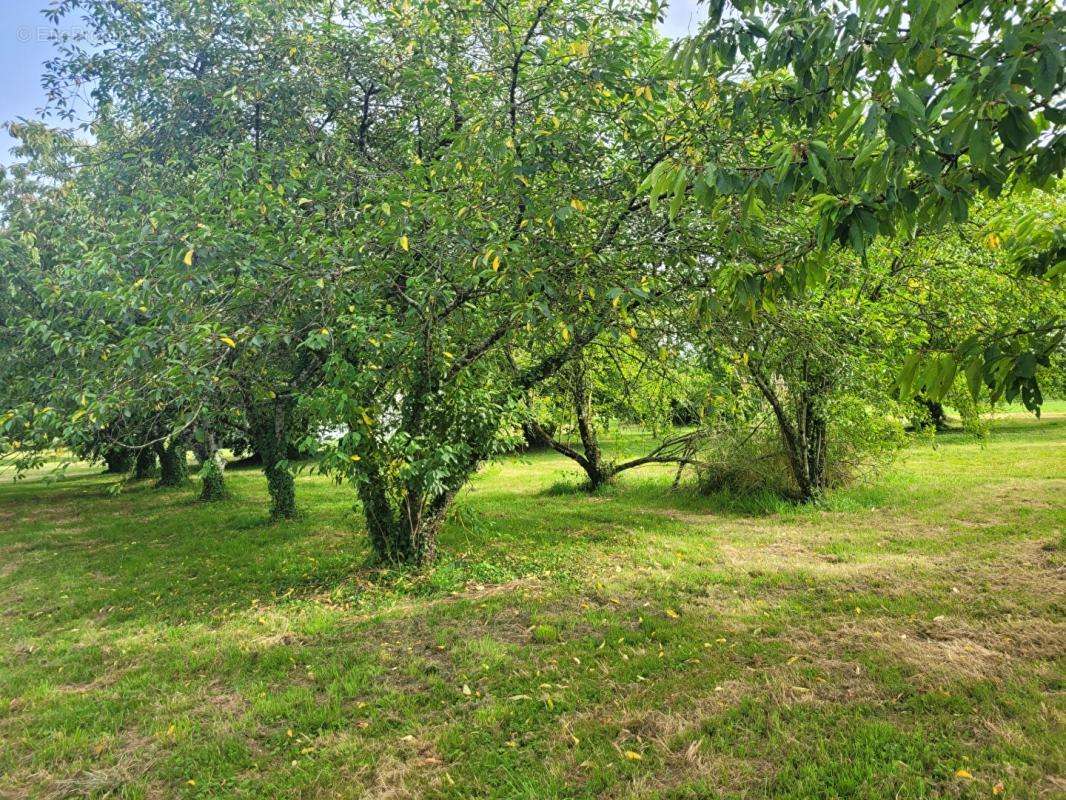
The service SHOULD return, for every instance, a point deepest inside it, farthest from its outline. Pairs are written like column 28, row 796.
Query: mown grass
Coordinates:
column 904, row 640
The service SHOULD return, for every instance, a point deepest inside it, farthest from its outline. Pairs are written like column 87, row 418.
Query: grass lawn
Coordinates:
column 907, row 640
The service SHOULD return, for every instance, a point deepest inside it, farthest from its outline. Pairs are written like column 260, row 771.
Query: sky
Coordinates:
column 25, row 45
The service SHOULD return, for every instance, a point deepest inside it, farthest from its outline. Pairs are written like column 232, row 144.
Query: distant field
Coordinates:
column 906, row 640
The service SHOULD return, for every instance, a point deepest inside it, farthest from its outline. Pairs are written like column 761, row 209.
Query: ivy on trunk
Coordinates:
column 118, row 460
column 268, row 422
column 212, row 485
column 144, row 464
column 173, row 466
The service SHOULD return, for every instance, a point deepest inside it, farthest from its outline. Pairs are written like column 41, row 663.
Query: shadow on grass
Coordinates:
column 149, row 554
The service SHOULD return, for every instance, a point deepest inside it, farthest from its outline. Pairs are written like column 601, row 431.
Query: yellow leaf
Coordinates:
column 324, row 331
column 354, row 458
column 188, row 258
column 496, row 264
column 227, row 341
column 405, row 244
column 367, row 420
column 993, row 241
column 672, row 614
column 633, row 755
column 576, row 204
column 961, row 773
column 633, row 334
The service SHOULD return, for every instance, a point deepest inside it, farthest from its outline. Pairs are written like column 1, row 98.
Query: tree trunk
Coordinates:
column 268, row 422
column 598, row 471
column 590, row 458
column 173, row 467
column 212, row 485
column 804, row 441
column 405, row 535
column 937, row 415
column 534, row 438
column 118, row 460
column 145, row 464
column 202, row 451
column 808, row 453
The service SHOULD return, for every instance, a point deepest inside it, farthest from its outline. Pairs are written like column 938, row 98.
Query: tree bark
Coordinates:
column 809, row 461
column 598, row 471
column 937, row 415
column 534, row 438
column 269, row 428
column 118, row 460
column 403, row 524
column 212, row 485
column 804, row 439
column 404, row 535
column 173, row 467
column 144, row 466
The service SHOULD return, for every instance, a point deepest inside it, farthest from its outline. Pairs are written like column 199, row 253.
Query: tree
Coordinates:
column 879, row 117
column 822, row 353
column 634, row 380
column 220, row 268
column 503, row 239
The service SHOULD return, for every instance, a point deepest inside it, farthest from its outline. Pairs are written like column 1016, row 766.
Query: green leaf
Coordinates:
column 1048, row 69
column 680, row 186
column 1016, row 129
column 899, row 129
column 815, row 167
column 907, row 375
